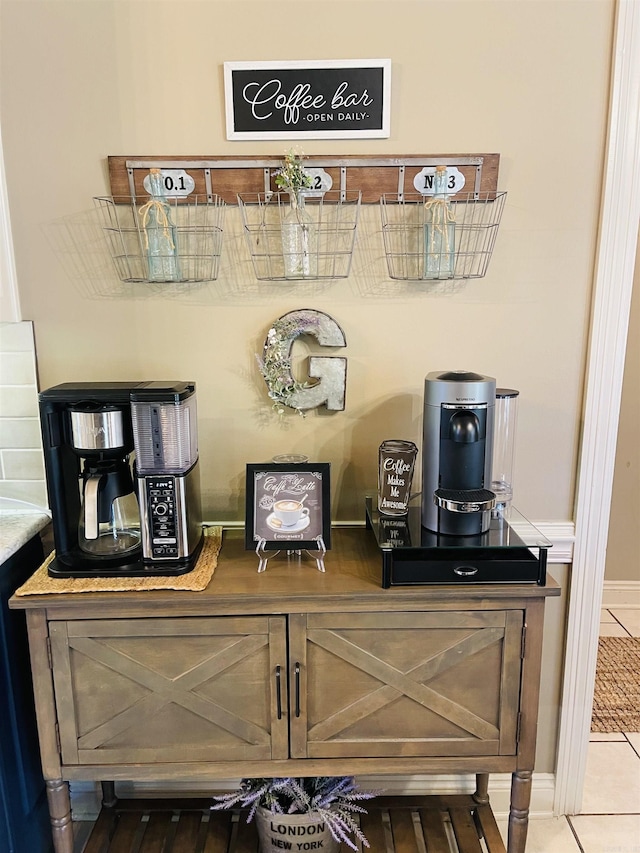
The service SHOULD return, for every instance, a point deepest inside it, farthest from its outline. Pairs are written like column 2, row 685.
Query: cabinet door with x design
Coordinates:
column 161, row 690
column 405, row 684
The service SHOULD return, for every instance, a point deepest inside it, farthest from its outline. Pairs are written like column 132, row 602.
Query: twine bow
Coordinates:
column 162, row 218
column 296, row 199
column 441, row 214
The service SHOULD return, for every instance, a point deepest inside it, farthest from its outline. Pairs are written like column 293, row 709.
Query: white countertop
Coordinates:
column 17, row 527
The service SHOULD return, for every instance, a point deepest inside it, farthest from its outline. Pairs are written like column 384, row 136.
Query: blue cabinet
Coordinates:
column 24, row 815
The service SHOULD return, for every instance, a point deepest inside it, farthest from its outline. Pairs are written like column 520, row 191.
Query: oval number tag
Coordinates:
column 423, row 181
column 321, row 181
column 176, row 182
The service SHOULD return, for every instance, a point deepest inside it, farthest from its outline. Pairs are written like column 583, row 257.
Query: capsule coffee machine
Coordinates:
column 457, row 452
column 109, row 516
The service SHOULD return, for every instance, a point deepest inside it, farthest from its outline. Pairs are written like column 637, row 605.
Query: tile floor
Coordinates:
column 610, row 818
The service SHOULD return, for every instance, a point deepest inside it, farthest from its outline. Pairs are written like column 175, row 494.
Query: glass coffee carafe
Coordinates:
column 109, row 523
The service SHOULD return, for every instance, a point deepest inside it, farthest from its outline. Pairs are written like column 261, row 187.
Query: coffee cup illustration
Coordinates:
column 289, row 512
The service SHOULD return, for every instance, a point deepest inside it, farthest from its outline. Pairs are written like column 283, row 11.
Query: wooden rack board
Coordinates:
column 374, row 176
column 447, row 824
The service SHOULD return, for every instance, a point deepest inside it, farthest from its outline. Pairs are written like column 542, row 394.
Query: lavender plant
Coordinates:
column 336, row 800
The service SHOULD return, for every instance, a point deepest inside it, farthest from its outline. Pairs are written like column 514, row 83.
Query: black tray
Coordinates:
column 511, row 551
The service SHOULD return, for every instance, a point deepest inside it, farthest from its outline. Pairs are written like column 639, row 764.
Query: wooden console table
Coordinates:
column 288, row 672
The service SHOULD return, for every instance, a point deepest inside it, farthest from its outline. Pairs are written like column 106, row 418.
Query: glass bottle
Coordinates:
column 160, row 234
column 439, row 230
column 299, row 240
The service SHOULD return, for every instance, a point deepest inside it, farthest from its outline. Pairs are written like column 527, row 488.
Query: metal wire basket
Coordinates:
column 324, row 246
column 474, row 228
column 185, row 247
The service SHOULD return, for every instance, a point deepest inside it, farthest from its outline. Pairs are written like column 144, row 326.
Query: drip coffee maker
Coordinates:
column 123, row 481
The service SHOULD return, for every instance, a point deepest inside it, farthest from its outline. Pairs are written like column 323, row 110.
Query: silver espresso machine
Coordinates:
column 457, row 449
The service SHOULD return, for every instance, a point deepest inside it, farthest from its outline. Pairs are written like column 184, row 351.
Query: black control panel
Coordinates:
column 162, row 515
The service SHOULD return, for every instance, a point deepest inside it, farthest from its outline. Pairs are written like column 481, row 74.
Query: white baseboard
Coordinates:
column 85, row 800
column 85, row 796
column 542, row 790
column 624, row 594
column 561, row 534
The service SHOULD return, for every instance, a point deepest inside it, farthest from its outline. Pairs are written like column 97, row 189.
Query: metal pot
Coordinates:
column 294, row 832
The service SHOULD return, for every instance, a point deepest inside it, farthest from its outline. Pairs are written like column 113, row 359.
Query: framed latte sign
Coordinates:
column 308, row 99
column 288, row 506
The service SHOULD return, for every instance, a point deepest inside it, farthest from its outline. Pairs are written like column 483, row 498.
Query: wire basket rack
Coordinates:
column 185, row 248
column 473, row 234
column 323, row 251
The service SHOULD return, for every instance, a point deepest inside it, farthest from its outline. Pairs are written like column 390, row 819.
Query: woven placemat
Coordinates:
column 616, row 700
column 196, row 580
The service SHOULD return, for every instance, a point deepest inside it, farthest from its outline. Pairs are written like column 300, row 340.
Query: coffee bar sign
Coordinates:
column 312, row 99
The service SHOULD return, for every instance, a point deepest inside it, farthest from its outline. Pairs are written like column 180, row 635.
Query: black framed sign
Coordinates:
column 288, row 506
column 308, row 99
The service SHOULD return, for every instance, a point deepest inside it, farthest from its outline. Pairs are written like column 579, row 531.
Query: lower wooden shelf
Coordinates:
column 445, row 824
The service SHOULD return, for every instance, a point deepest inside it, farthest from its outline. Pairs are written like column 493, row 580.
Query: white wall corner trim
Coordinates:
column 620, row 216
column 9, row 299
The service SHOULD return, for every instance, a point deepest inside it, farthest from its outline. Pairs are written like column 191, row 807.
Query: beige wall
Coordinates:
column 623, row 562
column 82, row 80
column 528, row 79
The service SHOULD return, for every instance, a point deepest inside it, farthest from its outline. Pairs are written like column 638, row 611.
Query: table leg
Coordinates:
column 481, row 795
column 109, row 798
column 519, row 813
column 60, row 815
